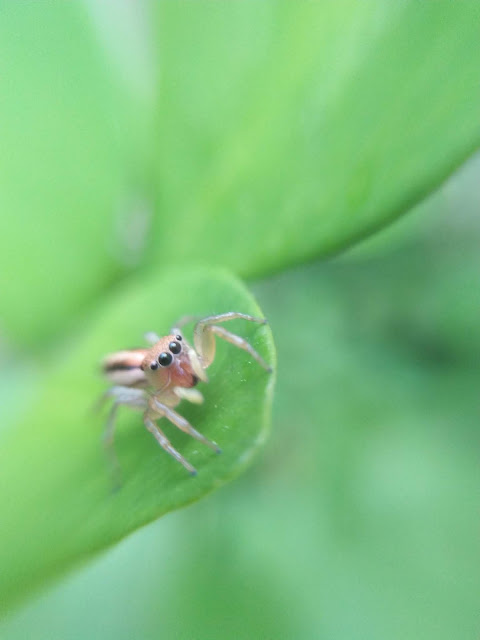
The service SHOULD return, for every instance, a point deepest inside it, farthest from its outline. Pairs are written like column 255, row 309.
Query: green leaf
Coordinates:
column 56, row 489
column 287, row 130
column 284, row 131
column 68, row 167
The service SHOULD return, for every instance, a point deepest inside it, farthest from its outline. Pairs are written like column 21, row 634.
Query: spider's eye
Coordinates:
column 154, row 365
column 175, row 347
column 165, row 359
column 179, row 337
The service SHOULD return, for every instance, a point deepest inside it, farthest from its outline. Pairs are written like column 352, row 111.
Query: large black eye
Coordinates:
column 165, row 359
column 175, row 347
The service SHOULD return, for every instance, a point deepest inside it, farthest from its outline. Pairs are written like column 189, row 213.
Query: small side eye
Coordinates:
column 175, row 347
column 179, row 338
column 154, row 365
column 165, row 359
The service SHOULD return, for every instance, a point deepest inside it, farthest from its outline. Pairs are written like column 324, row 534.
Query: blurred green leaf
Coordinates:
column 283, row 131
column 69, row 167
column 286, row 130
column 56, row 496
column 373, row 458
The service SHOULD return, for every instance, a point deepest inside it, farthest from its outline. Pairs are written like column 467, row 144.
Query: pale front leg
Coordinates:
column 241, row 343
column 192, row 395
column 205, row 331
column 183, row 321
column 197, row 367
column 180, row 422
column 165, row 443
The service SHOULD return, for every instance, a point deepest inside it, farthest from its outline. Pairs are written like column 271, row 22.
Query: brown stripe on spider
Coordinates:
column 124, row 360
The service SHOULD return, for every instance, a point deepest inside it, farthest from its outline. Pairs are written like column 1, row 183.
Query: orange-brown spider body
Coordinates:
column 157, row 379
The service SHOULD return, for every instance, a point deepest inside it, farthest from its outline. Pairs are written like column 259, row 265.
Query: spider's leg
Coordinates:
column 241, row 343
column 135, row 398
column 164, row 442
column 183, row 321
column 231, row 315
column 206, row 329
column 192, row 395
column 180, row 422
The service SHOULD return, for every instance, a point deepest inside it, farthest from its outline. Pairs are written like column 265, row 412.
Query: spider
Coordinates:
column 155, row 380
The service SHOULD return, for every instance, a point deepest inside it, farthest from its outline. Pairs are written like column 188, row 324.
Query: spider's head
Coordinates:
column 168, row 364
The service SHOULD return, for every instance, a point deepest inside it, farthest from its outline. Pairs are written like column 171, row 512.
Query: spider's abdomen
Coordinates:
column 123, row 367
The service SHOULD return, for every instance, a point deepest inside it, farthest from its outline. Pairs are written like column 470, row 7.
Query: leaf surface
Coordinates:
column 287, row 130
column 283, row 131
column 70, row 169
column 56, row 489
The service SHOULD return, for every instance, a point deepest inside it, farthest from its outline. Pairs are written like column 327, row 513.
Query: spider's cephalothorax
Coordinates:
column 155, row 380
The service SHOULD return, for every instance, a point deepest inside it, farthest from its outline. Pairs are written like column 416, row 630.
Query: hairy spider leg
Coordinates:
column 204, row 337
column 183, row 424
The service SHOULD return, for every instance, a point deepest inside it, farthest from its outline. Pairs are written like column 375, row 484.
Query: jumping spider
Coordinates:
column 155, row 380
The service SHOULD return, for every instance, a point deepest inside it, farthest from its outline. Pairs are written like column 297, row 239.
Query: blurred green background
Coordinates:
column 360, row 517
